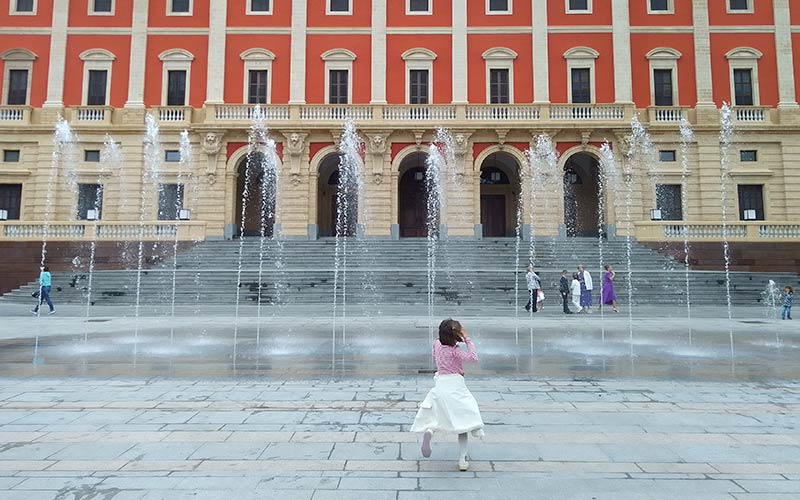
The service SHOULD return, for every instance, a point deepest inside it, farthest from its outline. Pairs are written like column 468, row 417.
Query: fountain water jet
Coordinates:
column 687, row 137
column 607, row 173
column 435, row 163
column 184, row 166
column 726, row 134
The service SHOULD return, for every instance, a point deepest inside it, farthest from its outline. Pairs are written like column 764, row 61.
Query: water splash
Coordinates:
column 607, row 176
column 185, row 163
column 687, row 137
column 726, row 135
column 436, row 163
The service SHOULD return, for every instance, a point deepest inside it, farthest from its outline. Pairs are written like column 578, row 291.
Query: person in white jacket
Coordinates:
column 575, row 289
column 586, row 288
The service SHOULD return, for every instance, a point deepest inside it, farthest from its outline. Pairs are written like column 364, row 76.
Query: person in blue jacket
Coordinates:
column 45, row 283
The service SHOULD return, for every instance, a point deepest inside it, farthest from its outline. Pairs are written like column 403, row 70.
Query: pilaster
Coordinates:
column 621, row 34
column 138, row 60
column 297, row 79
column 58, row 55
column 459, row 51
column 541, row 57
column 215, row 82
column 706, row 109
column 378, row 52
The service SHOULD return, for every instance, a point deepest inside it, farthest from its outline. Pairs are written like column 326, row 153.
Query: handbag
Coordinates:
column 35, row 294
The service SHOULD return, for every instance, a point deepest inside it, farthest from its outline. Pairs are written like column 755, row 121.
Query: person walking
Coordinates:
column 788, row 296
column 607, row 295
column 585, row 279
column 563, row 289
column 534, row 284
column 575, row 288
column 45, row 284
column 449, row 406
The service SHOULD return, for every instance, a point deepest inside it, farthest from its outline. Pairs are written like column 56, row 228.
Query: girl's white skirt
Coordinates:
column 449, row 407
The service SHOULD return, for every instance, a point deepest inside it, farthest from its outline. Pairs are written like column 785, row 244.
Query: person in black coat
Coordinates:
column 563, row 289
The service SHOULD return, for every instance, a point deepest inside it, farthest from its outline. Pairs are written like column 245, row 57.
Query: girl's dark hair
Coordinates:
column 605, row 267
column 449, row 332
column 47, row 269
column 791, row 290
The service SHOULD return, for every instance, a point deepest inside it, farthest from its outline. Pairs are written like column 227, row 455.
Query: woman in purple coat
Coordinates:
column 607, row 295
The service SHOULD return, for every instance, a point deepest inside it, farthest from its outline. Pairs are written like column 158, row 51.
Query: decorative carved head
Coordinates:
column 212, row 142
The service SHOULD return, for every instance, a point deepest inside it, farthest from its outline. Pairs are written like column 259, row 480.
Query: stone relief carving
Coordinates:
column 377, row 178
column 212, row 142
column 377, row 143
column 296, row 143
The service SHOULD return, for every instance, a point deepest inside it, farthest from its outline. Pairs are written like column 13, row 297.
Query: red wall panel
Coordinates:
column 280, row 45
column 681, row 16
column 442, row 85
column 600, row 16
column 721, row 43
column 197, row 45
column 442, row 14
column 477, row 16
column 42, row 18
column 361, row 14
column 281, row 15
column 158, row 17
column 79, row 15
column 641, row 44
column 604, row 65
column 119, row 45
column 39, row 45
column 762, row 14
column 523, row 67
column 361, row 79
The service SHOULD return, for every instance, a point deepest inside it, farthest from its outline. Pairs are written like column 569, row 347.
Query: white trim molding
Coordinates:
column 96, row 60
column 257, row 59
column 419, row 59
column 338, row 59
column 17, row 59
column 500, row 58
column 581, row 57
column 744, row 58
column 664, row 58
column 175, row 60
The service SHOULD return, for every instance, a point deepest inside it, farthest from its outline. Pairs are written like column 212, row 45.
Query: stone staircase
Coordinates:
column 468, row 273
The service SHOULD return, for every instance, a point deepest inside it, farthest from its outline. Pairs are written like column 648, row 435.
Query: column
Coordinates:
column 783, row 46
column 58, row 55
column 297, row 82
column 702, row 54
column 621, row 33
column 378, row 52
column 459, row 51
column 138, row 55
column 541, row 56
column 215, row 90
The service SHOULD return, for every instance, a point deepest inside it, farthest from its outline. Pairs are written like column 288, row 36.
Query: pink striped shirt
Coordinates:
column 450, row 358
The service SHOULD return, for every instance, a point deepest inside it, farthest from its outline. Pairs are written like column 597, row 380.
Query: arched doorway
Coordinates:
column 412, row 198
column 259, row 204
column 327, row 196
column 581, row 183
column 500, row 188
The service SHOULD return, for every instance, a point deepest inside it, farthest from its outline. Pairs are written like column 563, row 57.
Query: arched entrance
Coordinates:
column 581, row 183
column 412, row 199
column 327, row 196
column 259, row 205
column 500, row 188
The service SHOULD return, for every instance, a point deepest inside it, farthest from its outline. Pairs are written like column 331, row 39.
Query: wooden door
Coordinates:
column 493, row 215
column 412, row 209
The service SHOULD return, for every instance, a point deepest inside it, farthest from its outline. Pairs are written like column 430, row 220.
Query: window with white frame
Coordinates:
column 663, row 76
column 338, row 73
column 498, row 6
column 748, row 155
column 259, row 7
column 499, row 75
column 257, row 75
column 739, row 6
column 97, row 64
column 339, row 7
column 419, row 75
column 18, row 68
column 579, row 6
column 179, row 7
column 101, row 7
column 11, row 200
column 418, row 7
column 660, row 7
column 90, row 197
column 743, row 63
column 22, row 7
column 170, row 201
column 581, row 74
column 175, row 77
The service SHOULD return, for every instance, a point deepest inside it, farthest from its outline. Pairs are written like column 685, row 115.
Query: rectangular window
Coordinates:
column 180, row 6
column 10, row 156
column 170, row 201
column 667, row 155
column 96, row 91
column 578, row 5
column 172, row 156
column 17, row 87
column 23, row 5
column 499, row 6
column 102, row 6
column 419, row 6
column 751, row 197
column 738, row 4
column 90, row 197
column 259, row 5
column 176, row 88
column 418, row 90
column 748, row 155
column 11, row 199
column 743, row 87
column 581, row 86
column 337, row 90
column 91, row 155
column 668, row 200
column 499, row 86
column 257, row 87
column 659, row 5
column 662, row 87
column 342, row 6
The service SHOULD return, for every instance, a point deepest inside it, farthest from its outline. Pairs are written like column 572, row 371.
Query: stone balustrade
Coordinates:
column 102, row 231
column 750, row 231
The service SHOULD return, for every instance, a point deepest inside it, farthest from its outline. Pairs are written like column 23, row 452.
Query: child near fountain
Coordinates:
column 449, row 406
column 788, row 295
column 575, row 288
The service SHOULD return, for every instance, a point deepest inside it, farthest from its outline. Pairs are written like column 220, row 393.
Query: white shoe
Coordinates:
column 463, row 465
column 51, row 312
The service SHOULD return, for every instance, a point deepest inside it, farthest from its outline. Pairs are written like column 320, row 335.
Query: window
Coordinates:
column 662, row 87
column 17, row 87
column 498, row 86
column 659, row 6
column 581, row 86
column 91, row 155
column 337, row 86
column 666, row 155
column 668, row 200
column 259, row 7
column 738, row 6
column 11, row 199
column 498, row 6
column 176, row 88
column 172, row 156
column 747, row 155
column 339, row 7
column 23, row 6
column 418, row 7
column 751, row 197
column 101, row 6
column 418, row 90
column 743, row 87
column 98, row 79
column 180, row 6
column 170, row 201
column 579, row 6
column 90, row 197
column 10, row 156
column 499, row 75
column 257, row 87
